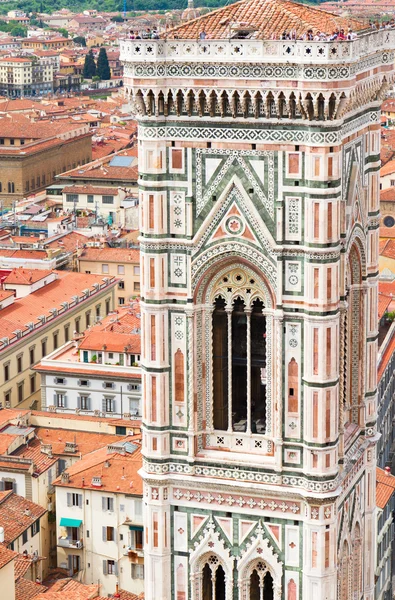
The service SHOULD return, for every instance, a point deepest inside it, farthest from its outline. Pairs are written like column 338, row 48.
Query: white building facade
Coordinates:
column 100, row 531
column 100, row 388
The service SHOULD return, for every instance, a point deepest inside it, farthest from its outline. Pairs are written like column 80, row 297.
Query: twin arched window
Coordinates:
column 257, row 586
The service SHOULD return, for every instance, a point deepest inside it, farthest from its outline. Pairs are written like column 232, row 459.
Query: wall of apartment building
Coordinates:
column 41, row 167
column 95, row 548
column 7, row 583
column 37, row 542
column 126, row 289
column 30, row 349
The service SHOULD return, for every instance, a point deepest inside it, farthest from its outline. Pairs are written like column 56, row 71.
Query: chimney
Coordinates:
column 1, row 535
column 387, row 470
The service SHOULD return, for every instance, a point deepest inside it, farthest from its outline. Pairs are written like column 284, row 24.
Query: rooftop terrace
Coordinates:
column 256, row 50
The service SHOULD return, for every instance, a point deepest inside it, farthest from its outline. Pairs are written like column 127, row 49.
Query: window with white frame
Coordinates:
column 60, row 400
column 84, row 402
column 108, row 503
column 108, row 405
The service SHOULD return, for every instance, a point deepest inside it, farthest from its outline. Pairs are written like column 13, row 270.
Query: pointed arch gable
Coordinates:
column 210, row 549
column 259, row 550
column 235, row 192
column 211, row 542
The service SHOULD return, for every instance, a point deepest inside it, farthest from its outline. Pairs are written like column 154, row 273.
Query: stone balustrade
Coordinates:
column 248, row 50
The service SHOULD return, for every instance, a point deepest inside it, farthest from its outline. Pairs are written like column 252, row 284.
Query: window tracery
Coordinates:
column 239, row 353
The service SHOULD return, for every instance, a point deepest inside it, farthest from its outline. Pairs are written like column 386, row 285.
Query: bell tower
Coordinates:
column 259, row 178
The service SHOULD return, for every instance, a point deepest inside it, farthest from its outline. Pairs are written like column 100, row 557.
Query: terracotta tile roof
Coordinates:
column 120, row 474
column 42, row 462
column 389, row 249
column 27, row 590
column 384, row 302
column 267, row 17
column 32, row 254
column 6, row 556
column 70, row 417
column 20, row 126
column 123, row 595
column 68, row 242
column 28, row 309
column 382, row 244
column 21, row 276
column 9, row 106
column 24, row 239
column 15, row 59
column 387, row 232
column 388, row 194
column 114, row 342
column 107, row 172
column 87, row 441
column 8, row 415
column 75, row 370
column 90, row 189
column 13, row 517
column 22, row 564
column 5, row 293
column 387, row 169
column 130, row 255
column 69, row 589
column 385, row 487
column 6, row 439
column 385, row 357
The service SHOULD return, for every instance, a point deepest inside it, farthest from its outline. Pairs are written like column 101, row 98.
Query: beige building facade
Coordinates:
column 122, row 263
column 39, row 334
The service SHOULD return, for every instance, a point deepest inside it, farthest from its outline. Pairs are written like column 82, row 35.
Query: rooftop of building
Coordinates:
column 89, row 189
column 17, row 514
column 117, row 255
column 121, row 166
column 388, row 248
column 6, row 556
column 388, row 195
column 70, row 589
column 122, row 463
column 263, row 19
column 22, row 276
column 385, row 487
column 20, row 126
column 58, row 295
column 86, row 441
column 119, row 332
column 28, row 590
column 388, row 168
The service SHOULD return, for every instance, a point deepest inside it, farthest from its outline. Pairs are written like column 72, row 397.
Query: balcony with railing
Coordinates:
column 251, row 50
column 67, row 542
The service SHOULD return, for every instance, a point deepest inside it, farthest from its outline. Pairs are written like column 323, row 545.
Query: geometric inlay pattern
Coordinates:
column 203, row 196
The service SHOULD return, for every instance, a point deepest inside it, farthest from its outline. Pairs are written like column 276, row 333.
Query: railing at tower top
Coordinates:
column 247, row 50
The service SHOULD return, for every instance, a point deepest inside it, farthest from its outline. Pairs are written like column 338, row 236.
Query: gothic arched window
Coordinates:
column 239, row 364
column 213, row 580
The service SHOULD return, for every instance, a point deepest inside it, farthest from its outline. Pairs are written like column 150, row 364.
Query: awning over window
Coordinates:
column 135, row 528
column 70, row 522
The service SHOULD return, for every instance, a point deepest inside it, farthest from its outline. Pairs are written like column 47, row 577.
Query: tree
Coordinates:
column 117, row 19
column 18, row 31
column 80, row 40
column 103, row 68
column 89, row 66
column 63, row 32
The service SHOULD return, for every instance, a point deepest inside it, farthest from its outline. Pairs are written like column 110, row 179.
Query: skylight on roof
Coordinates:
column 122, row 161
